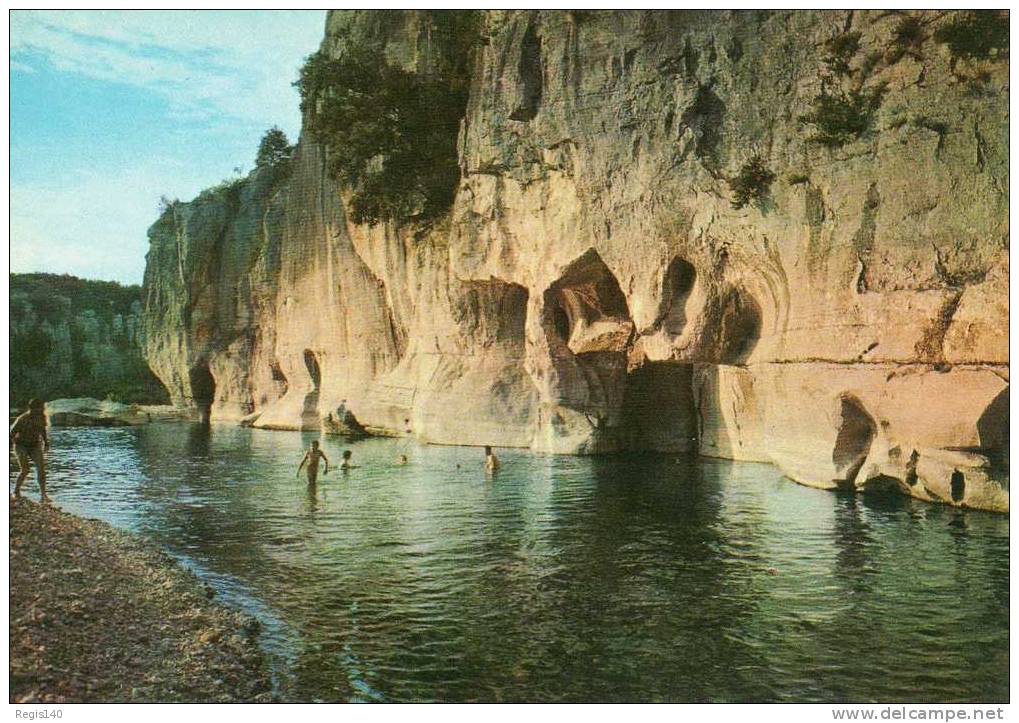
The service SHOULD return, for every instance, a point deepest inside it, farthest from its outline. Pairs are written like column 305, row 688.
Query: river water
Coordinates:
column 629, row 578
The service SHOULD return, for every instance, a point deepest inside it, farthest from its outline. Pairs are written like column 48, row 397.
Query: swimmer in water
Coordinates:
column 491, row 461
column 311, row 458
column 402, row 459
column 345, row 464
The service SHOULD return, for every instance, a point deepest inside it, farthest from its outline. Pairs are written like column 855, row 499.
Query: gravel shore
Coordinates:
column 98, row 615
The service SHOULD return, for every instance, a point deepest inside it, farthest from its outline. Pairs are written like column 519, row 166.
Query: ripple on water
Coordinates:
column 560, row 578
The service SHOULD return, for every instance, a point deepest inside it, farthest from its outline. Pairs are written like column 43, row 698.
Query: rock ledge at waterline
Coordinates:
column 593, row 288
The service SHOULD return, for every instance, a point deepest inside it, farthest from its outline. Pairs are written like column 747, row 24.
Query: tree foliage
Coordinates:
column 391, row 133
column 977, row 34
column 840, row 116
column 59, row 345
column 274, row 149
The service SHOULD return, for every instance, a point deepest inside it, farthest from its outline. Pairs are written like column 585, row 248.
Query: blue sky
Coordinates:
column 112, row 109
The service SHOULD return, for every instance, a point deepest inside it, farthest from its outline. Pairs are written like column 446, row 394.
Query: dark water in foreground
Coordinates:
column 563, row 578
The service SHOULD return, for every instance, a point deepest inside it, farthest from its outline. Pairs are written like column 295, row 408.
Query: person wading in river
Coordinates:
column 28, row 435
column 311, row 457
column 491, row 461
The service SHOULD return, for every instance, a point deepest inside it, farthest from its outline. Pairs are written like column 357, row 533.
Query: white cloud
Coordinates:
column 237, row 64
column 22, row 67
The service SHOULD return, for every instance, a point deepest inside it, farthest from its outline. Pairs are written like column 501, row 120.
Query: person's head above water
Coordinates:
column 346, row 454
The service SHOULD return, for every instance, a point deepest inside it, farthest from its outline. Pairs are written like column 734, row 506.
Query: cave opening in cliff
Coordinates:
column 676, row 287
column 958, row 486
column 739, row 328
column 852, row 444
column 993, row 432
column 585, row 309
column 203, row 390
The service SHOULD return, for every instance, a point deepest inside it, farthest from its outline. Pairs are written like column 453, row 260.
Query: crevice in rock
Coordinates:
column 279, row 378
column 958, row 486
column 314, row 373
column 561, row 322
column 677, row 284
column 739, row 327
column 852, row 444
column 911, row 475
column 863, row 239
column 883, row 485
column 705, row 117
column 309, row 413
column 993, row 432
column 930, row 346
column 203, row 390
column 981, row 145
column 531, row 79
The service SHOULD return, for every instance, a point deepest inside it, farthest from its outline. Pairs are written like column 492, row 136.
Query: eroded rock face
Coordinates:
column 593, row 287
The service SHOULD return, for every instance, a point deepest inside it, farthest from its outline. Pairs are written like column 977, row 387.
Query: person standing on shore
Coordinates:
column 311, row 458
column 28, row 436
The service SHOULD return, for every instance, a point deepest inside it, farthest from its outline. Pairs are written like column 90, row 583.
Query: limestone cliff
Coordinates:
column 72, row 337
column 774, row 236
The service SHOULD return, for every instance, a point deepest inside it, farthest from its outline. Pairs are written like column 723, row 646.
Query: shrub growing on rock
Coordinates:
column 841, row 50
column 907, row 38
column 752, row 184
column 842, row 116
column 976, row 34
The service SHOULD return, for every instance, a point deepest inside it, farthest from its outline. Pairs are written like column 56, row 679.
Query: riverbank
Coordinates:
column 98, row 615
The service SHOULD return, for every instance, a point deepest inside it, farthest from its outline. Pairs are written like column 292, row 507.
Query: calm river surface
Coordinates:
column 560, row 578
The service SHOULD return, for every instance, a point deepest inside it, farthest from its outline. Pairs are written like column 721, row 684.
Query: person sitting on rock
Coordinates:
column 28, row 435
column 312, row 457
column 491, row 461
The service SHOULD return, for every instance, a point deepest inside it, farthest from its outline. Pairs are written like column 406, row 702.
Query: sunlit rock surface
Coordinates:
column 593, row 287
column 88, row 412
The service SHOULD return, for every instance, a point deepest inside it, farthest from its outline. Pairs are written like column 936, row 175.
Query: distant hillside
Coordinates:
column 72, row 337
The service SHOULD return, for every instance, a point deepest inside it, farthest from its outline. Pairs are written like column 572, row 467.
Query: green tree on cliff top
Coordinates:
column 274, row 149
